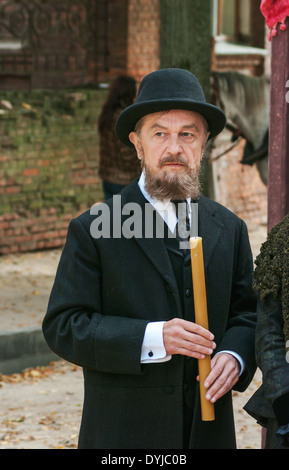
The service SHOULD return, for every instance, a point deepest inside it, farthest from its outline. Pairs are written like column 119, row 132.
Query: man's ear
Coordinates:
column 133, row 137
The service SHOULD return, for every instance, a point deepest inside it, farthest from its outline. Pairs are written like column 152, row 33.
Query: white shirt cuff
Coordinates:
column 153, row 349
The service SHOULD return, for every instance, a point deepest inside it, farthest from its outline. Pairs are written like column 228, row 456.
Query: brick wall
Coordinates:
column 111, row 44
column 54, row 43
column 48, row 165
column 143, row 47
column 128, row 38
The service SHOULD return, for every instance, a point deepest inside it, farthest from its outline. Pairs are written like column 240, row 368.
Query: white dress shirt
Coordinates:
column 153, row 349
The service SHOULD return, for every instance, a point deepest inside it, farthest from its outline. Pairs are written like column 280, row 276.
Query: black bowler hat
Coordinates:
column 168, row 89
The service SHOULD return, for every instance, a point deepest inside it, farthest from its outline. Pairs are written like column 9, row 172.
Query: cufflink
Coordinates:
column 150, row 354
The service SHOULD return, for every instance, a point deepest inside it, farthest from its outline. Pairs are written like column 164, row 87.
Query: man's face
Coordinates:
column 170, row 145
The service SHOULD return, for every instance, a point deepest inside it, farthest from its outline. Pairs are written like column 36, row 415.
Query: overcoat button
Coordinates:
column 188, row 293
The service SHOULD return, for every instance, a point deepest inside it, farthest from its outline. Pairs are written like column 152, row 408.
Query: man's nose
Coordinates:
column 174, row 144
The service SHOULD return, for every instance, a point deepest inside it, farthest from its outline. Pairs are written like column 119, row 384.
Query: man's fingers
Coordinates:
column 223, row 376
column 187, row 338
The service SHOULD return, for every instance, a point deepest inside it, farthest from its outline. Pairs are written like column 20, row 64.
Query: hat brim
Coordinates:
column 128, row 118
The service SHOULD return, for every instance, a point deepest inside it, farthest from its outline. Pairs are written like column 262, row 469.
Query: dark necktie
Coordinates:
column 183, row 221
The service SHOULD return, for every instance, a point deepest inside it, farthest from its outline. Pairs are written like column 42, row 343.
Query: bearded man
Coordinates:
column 122, row 306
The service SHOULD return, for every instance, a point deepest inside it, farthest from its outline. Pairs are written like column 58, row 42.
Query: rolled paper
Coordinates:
column 201, row 318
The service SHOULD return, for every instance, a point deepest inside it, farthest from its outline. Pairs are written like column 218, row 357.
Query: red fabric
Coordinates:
column 274, row 11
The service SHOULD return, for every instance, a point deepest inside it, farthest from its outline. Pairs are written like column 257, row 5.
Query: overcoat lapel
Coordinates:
column 209, row 229
column 153, row 247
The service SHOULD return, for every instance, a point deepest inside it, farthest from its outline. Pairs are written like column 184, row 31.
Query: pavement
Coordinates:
column 42, row 395
column 26, row 281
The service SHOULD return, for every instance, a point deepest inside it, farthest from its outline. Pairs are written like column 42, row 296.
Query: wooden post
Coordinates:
column 278, row 152
column 278, row 170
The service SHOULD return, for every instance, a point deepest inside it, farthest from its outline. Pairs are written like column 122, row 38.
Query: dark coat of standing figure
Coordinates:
column 118, row 164
column 270, row 404
column 122, row 306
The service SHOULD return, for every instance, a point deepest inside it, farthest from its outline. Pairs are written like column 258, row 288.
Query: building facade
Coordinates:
column 55, row 57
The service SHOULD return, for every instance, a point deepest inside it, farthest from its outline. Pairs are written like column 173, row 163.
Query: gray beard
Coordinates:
column 168, row 185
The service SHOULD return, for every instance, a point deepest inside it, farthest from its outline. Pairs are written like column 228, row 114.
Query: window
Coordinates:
column 238, row 30
column 232, row 20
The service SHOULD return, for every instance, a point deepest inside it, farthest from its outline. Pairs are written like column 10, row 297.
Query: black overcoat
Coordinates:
column 105, row 292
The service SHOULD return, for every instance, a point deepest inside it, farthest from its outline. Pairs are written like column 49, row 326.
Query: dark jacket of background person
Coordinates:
column 270, row 404
column 106, row 291
column 118, row 163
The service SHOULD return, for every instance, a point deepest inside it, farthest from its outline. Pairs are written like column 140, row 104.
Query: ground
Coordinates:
column 41, row 407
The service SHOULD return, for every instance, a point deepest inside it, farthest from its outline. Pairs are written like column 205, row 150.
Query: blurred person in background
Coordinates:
column 118, row 164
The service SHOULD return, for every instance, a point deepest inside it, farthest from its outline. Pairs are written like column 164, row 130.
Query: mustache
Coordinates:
column 173, row 159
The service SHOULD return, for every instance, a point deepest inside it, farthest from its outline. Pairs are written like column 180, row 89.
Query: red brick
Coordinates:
column 12, row 189
column 30, row 172
column 4, row 225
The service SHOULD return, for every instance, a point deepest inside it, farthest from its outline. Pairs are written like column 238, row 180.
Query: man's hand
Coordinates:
column 187, row 338
column 224, row 374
